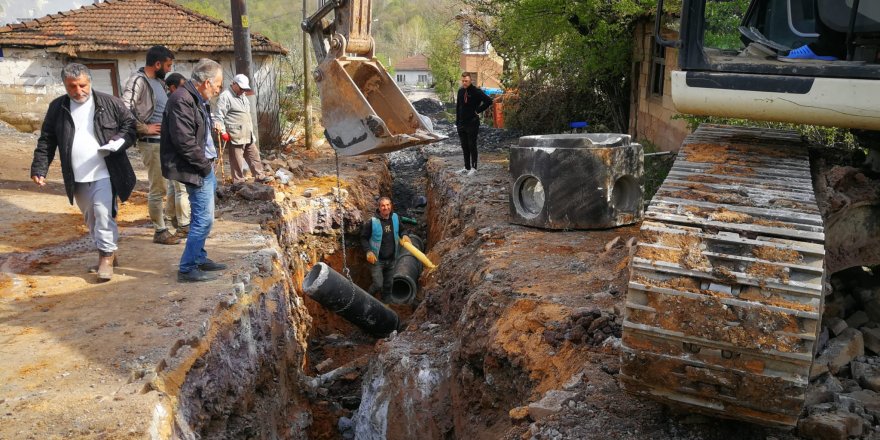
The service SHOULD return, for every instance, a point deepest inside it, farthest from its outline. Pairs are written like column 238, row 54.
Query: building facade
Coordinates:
column 652, row 113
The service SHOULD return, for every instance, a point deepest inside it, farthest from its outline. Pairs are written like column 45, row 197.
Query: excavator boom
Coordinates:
column 363, row 110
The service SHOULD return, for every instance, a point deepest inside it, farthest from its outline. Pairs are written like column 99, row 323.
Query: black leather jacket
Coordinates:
column 112, row 121
column 184, row 131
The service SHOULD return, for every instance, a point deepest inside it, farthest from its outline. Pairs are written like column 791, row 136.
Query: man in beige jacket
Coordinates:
column 145, row 95
column 232, row 116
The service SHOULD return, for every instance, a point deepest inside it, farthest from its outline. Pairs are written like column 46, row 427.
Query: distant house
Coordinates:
column 651, row 109
column 480, row 60
column 112, row 38
column 413, row 71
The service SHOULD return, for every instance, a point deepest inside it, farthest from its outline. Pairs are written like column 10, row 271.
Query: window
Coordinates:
column 658, row 68
column 401, row 78
column 423, row 79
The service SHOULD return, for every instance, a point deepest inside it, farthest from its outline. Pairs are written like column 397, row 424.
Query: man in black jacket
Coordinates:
column 470, row 102
column 188, row 152
column 91, row 130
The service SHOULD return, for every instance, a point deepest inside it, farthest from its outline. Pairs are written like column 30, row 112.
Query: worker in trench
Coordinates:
column 381, row 237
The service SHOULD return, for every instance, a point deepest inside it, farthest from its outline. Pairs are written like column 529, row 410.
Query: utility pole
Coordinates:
column 307, row 89
column 241, row 40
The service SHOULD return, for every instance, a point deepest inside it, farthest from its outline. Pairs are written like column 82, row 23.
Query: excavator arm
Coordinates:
column 363, row 110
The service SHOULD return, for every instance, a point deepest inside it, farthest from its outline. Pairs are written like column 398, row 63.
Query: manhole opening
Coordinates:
column 626, row 194
column 529, row 196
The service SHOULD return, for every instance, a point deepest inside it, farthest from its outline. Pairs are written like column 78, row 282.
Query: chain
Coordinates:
column 341, row 210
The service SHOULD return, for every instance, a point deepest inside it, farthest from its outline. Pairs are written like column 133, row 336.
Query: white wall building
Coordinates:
column 413, row 71
column 112, row 39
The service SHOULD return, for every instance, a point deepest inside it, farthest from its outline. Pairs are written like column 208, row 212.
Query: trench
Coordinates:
column 482, row 340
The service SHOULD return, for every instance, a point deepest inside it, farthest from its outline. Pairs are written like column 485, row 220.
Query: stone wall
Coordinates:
column 651, row 115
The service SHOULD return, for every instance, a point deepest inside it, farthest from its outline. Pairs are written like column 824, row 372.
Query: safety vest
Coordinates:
column 376, row 237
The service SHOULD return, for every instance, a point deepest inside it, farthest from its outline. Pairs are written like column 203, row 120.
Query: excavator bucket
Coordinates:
column 364, row 111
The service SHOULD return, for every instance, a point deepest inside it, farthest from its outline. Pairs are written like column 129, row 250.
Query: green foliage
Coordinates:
column 657, row 167
column 822, row 136
column 722, row 22
column 208, row 7
column 444, row 58
column 569, row 60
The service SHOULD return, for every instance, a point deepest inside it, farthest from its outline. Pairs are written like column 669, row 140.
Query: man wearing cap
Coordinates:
column 146, row 95
column 232, row 119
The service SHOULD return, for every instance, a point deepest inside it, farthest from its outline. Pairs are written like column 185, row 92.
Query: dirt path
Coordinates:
column 78, row 358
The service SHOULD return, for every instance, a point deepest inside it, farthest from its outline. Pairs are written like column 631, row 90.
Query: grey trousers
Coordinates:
column 238, row 155
column 95, row 201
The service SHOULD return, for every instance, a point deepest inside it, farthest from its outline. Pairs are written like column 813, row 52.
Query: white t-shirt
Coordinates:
column 88, row 164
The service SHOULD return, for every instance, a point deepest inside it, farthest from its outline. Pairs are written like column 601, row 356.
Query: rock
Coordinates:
column 858, row 319
column 867, row 375
column 841, row 351
column 550, row 404
column 345, row 424
column 519, row 413
column 256, row 191
column 836, row 325
column 611, row 244
column 324, row 366
column 830, row 426
column 295, row 165
column 872, row 339
column 867, row 399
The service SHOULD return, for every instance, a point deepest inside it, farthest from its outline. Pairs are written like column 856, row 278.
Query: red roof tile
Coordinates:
column 129, row 26
column 415, row 62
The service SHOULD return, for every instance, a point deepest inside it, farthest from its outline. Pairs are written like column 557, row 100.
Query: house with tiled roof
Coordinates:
column 112, row 38
column 413, row 71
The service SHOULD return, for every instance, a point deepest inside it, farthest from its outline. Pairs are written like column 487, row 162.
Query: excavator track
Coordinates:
column 726, row 287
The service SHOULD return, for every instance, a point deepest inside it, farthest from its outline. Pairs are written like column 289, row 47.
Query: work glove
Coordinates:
column 224, row 136
column 111, row 147
column 371, row 258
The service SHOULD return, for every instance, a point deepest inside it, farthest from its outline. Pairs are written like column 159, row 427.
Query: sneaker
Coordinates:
column 462, row 171
column 211, row 266
column 165, row 237
column 195, row 276
column 182, row 232
column 805, row 53
column 471, row 171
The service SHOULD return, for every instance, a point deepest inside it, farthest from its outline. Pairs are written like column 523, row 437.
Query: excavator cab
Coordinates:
column 753, row 79
column 727, row 282
column 363, row 110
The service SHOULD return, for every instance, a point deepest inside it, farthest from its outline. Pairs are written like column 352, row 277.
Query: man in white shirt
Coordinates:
column 232, row 119
column 91, row 131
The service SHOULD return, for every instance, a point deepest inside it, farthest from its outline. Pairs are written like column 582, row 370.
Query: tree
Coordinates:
column 444, row 57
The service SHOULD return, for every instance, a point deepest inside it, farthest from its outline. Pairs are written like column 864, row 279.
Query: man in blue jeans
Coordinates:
column 188, row 154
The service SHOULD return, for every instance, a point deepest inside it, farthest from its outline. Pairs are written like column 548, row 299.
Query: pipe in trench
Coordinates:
column 405, row 276
column 341, row 296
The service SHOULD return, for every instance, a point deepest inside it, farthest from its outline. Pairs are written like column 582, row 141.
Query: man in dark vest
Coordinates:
column 381, row 238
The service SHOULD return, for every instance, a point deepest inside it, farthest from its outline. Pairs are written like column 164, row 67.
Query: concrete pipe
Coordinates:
column 576, row 181
column 335, row 292
column 405, row 277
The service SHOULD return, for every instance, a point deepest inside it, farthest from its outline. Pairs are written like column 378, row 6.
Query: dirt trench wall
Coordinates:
column 247, row 381
column 246, row 384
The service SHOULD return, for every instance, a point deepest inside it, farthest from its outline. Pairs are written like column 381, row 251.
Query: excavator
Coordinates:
column 727, row 282
column 362, row 109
